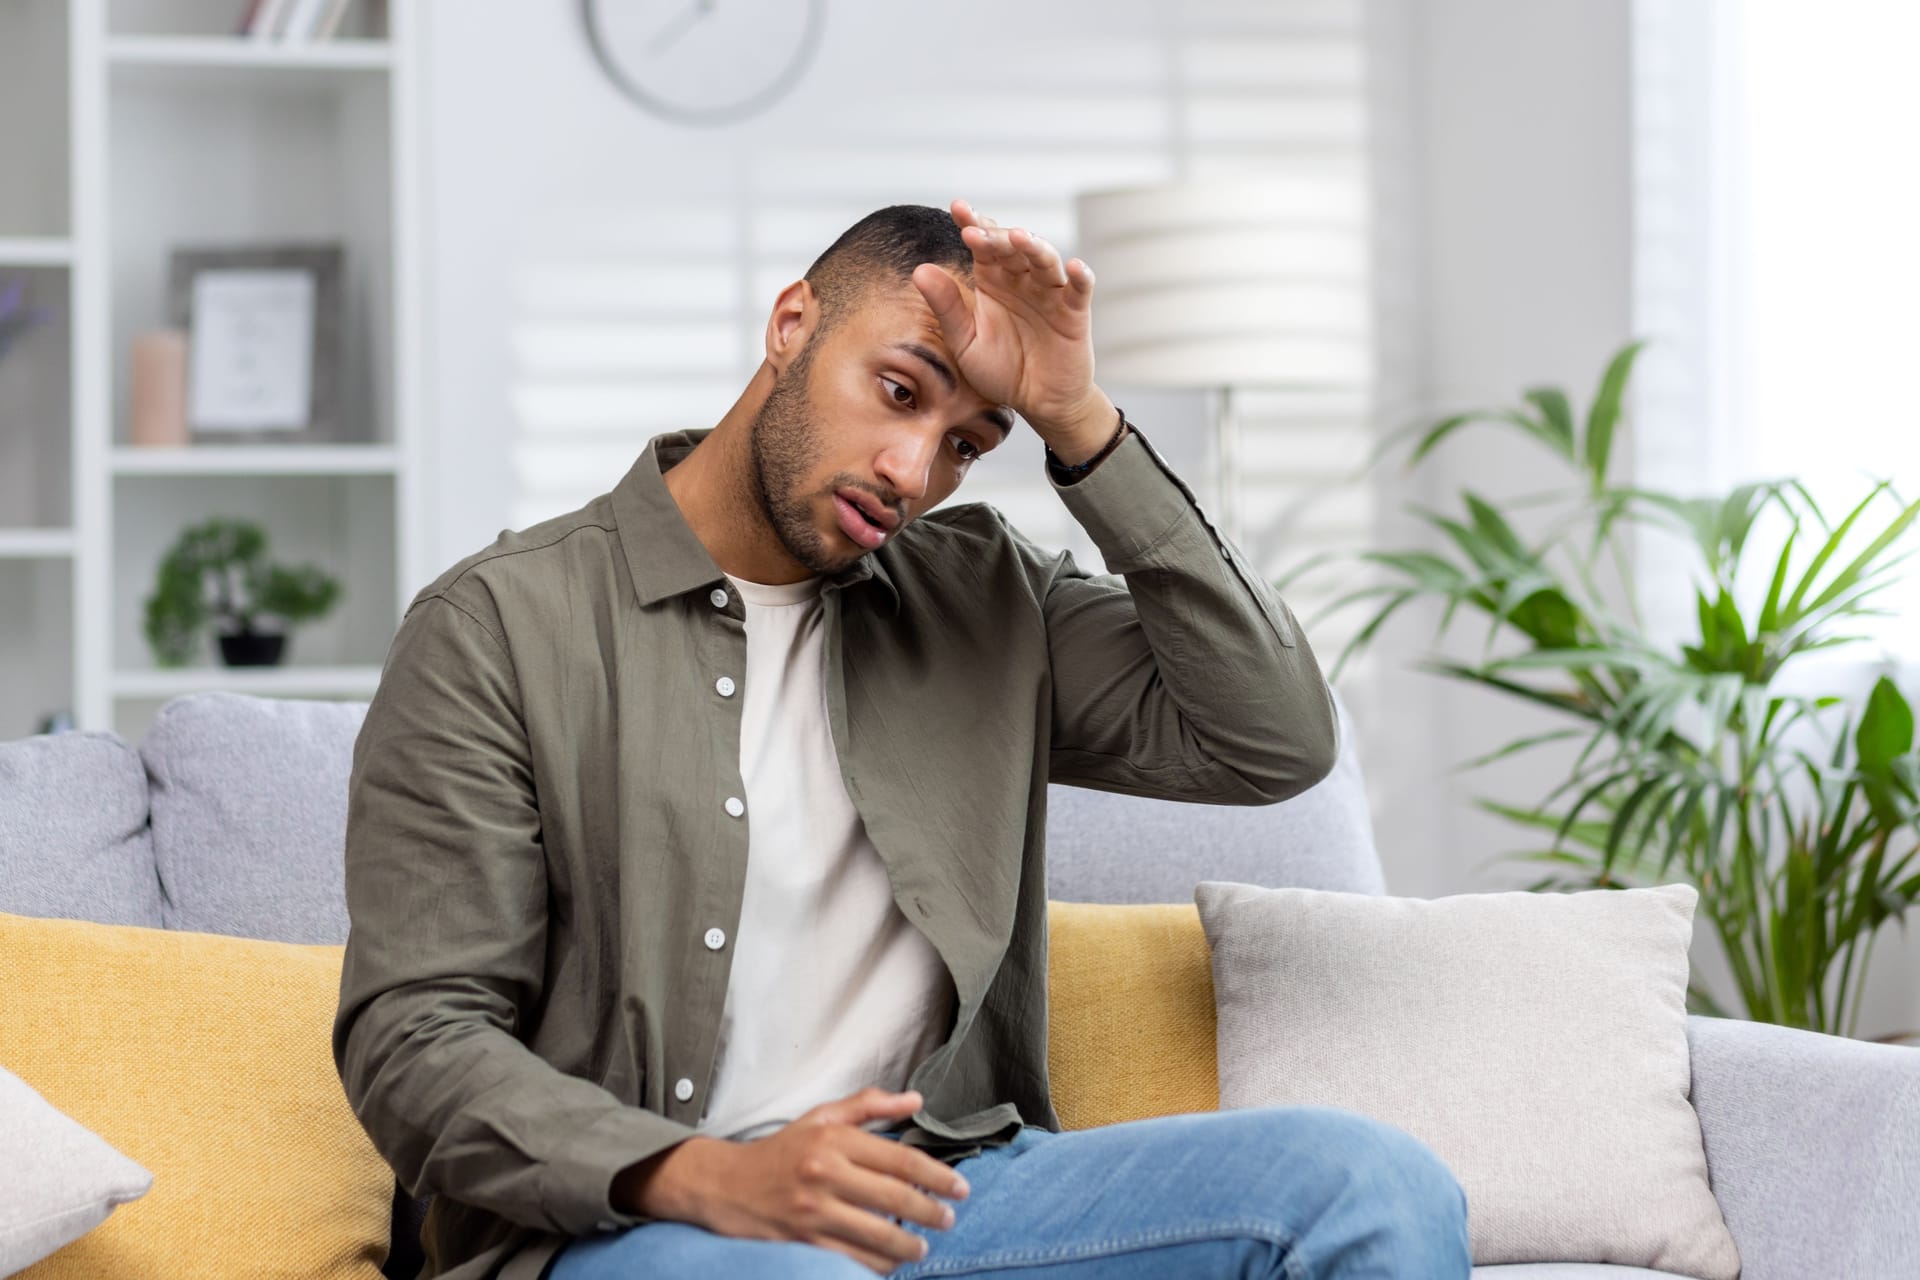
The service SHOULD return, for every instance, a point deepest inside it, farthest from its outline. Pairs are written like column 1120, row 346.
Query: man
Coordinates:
column 695, row 838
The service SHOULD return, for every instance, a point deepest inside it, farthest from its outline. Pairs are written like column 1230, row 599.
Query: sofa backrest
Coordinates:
column 249, row 805
column 1113, row 848
column 232, row 815
column 74, row 840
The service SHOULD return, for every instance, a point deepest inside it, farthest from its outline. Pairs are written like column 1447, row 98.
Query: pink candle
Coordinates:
column 157, row 394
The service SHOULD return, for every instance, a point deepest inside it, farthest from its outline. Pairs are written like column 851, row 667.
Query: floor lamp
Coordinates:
column 1227, row 285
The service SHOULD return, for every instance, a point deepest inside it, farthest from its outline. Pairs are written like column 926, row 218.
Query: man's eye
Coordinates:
column 968, row 449
column 898, row 387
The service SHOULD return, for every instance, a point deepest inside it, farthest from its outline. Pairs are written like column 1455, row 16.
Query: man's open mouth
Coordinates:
column 870, row 510
column 859, row 524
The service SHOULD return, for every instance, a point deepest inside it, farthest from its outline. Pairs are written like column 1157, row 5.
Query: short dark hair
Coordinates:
column 883, row 248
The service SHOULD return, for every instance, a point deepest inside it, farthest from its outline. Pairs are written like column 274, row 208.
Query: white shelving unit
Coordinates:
column 166, row 57
column 285, row 682
column 251, row 460
column 129, row 128
column 32, row 251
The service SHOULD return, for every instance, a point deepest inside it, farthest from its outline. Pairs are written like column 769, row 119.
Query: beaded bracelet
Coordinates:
column 1067, row 473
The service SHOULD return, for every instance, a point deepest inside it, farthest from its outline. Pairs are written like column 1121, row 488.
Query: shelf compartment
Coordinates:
column 36, row 643
column 343, row 523
column 35, row 179
column 292, row 681
column 35, row 544
column 187, row 61
column 219, row 20
column 210, row 162
column 36, row 408
column 256, row 460
column 35, row 251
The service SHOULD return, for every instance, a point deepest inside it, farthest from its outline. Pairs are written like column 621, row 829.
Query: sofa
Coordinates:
column 227, row 818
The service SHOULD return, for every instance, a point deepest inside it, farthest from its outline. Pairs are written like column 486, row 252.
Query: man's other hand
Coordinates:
column 821, row 1179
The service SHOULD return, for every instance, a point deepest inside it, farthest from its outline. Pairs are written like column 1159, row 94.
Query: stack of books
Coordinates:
column 293, row 20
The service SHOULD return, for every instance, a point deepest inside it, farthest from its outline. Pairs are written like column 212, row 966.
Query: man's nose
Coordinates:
column 906, row 463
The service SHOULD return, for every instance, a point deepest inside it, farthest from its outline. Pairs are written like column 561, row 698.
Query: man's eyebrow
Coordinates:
column 1000, row 416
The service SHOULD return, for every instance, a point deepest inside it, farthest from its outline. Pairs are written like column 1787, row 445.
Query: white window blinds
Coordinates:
column 640, row 306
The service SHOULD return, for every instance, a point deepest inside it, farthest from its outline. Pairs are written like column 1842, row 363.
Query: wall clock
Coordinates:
column 703, row 61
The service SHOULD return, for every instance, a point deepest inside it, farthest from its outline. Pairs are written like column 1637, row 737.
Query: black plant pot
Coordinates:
column 252, row 649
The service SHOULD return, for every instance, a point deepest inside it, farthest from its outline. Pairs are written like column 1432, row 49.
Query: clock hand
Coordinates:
column 680, row 25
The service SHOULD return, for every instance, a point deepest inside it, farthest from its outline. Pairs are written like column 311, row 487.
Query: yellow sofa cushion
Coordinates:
column 1130, row 1024
column 207, row 1059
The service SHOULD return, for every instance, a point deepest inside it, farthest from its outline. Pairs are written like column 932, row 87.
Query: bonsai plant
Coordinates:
column 1795, row 813
column 217, row 573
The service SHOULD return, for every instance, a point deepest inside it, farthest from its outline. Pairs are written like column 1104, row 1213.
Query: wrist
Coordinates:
column 667, row 1185
column 1077, row 436
column 1065, row 473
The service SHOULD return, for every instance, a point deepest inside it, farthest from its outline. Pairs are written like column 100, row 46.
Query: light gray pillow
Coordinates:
column 59, row 1180
column 1536, row 1042
column 74, row 843
column 249, row 801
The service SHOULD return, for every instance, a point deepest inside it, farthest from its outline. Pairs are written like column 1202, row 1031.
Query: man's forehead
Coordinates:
column 902, row 315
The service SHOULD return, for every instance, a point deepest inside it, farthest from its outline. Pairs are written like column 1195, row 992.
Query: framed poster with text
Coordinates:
column 263, row 345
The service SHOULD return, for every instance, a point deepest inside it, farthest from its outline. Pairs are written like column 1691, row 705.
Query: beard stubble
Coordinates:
column 785, row 446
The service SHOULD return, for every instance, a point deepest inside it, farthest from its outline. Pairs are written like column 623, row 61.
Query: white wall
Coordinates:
column 1505, row 263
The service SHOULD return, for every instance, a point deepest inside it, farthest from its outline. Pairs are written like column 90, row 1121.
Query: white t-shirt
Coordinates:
column 831, row 988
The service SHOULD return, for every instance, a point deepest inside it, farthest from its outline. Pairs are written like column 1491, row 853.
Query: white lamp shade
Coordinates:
column 1246, row 283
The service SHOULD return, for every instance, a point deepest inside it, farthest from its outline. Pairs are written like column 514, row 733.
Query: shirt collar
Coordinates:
column 665, row 556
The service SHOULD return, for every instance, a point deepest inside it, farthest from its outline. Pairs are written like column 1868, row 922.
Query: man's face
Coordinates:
column 862, row 432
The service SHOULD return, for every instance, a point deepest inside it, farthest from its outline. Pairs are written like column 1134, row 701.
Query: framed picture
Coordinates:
column 263, row 341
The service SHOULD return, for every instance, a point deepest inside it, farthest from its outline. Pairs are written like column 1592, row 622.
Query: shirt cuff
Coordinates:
column 579, row 1191
column 1129, row 503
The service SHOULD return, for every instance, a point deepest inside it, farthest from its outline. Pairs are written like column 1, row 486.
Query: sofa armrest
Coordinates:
column 1813, row 1148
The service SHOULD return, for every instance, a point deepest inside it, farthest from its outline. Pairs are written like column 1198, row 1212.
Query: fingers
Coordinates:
column 1019, row 252
column 1079, row 283
column 906, row 1165
column 892, row 1198
column 872, row 1102
column 1042, row 258
column 948, row 304
column 964, row 215
column 879, row 1264
column 996, row 246
column 874, row 1240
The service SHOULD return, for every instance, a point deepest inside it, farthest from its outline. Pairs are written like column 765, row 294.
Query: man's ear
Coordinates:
column 795, row 318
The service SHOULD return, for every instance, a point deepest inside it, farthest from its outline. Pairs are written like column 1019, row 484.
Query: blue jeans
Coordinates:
column 1295, row 1192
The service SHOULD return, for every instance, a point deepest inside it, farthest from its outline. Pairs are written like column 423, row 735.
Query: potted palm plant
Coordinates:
column 217, row 575
column 1795, row 813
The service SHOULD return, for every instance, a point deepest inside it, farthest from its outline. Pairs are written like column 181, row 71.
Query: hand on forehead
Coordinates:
column 1020, row 330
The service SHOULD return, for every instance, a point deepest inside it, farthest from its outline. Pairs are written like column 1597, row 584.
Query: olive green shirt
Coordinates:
column 546, row 817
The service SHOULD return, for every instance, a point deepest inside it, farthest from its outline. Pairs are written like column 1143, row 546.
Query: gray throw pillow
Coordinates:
column 59, row 1180
column 249, row 801
column 1536, row 1042
column 74, row 843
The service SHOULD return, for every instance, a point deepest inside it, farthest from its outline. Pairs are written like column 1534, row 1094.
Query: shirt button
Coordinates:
column 736, row 806
column 725, row 685
column 719, row 597
column 716, row 939
column 683, row 1088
